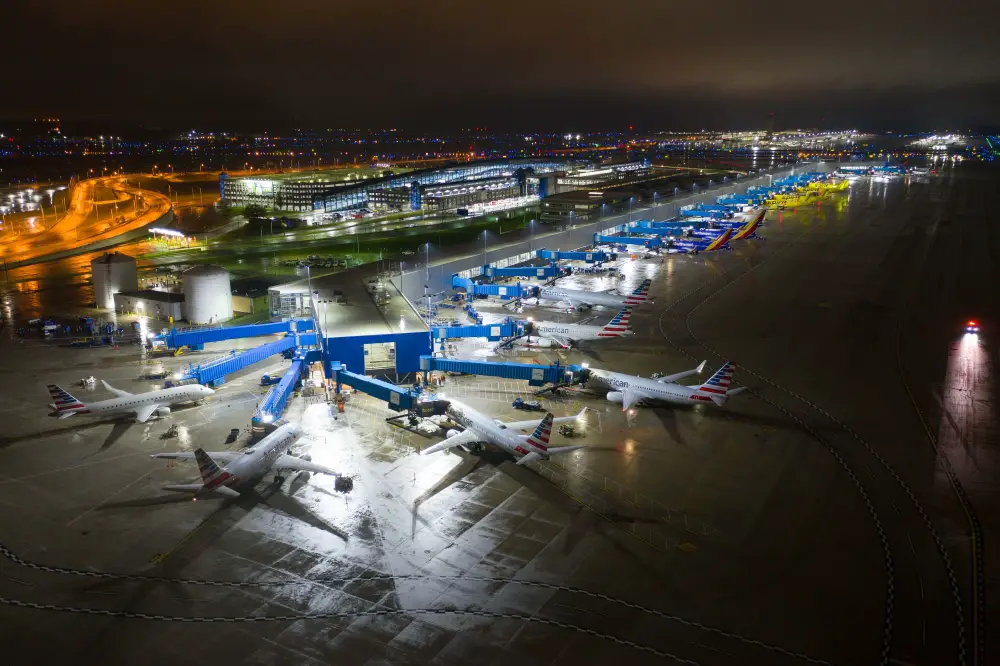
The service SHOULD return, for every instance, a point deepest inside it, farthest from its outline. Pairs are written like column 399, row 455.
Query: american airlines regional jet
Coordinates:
column 246, row 467
column 480, row 429
column 142, row 405
column 630, row 390
column 567, row 335
column 577, row 298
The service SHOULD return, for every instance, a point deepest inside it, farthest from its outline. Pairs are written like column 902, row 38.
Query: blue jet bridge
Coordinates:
column 273, row 404
column 213, row 373
column 553, row 270
column 504, row 292
column 595, row 257
column 644, row 241
column 508, row 328
column 397, row 397
column 196, row 338
column 535, row 375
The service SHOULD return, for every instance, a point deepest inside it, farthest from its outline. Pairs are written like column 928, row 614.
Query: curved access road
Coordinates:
column 99, row 210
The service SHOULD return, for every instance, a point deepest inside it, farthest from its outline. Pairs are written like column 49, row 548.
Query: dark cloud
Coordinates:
column 513, row 64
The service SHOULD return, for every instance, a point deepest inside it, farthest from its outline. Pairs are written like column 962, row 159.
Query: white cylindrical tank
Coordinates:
column 208, row 298
column 112, row 273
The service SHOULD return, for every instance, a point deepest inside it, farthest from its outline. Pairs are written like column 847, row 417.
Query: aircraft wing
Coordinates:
column 564, row 341
column 224, row 457
column 143, row 413
column 526, row 425
column 118, row 392
column 670, row 379
column 464, row 437
column 291, row 462
column 632, row 396
column 530, row 457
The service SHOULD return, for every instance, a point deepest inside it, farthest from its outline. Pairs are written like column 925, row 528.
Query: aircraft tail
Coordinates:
column 540, row 438
column 750, row 227
column 640, row 295
column 62, row 402
column 716, row 389
column 618, row 326
column 720, row 241
column 213, row 475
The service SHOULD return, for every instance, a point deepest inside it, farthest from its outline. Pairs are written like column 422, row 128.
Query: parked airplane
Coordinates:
column 749, row 230
column 577, row 298
column 569, row 334
column 694, row 246
column 736, row 225
column 630, row 390
column 143, row 405
column 482, row 429
column 246, row 467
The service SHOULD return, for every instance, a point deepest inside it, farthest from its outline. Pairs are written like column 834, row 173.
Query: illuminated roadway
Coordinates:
column 99, row 209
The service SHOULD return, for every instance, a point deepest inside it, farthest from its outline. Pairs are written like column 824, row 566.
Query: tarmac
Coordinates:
column 810, row 520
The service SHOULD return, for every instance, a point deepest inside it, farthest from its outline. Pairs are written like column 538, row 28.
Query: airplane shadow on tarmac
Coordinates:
column 67, row 429
column 470, row 464
column 668, row 414
column 584, row 519
column 611, row 522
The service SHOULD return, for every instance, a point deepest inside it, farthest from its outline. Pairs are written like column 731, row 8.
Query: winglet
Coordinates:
column 701, row 366
column 582, row 412
column 118, row 392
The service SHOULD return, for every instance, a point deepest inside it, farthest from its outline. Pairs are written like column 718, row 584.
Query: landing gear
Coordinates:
column 278, row 480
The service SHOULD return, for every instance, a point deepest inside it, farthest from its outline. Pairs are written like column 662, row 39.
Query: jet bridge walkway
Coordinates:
column 195, row 338
column 535, row 375
column 273, row 404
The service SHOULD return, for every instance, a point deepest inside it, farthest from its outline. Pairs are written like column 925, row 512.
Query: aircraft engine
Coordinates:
column 163, row 411
column 616, row 396
column 452, row 433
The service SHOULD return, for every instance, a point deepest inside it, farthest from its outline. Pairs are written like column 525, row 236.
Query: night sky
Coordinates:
column 547, row 64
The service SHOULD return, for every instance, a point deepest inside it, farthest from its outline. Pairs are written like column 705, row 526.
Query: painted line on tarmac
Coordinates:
column 333, row 615
column 87, row 573
column 935, row 536
column 883, row 537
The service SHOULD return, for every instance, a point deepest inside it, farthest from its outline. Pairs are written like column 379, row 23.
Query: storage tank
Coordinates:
column 208, row 298
column 112, row 273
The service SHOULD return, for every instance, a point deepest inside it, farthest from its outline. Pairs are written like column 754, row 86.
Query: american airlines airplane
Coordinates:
column 142, row 405
column 630, row 390
column 568, row 335
column 246, row 467
column 577, row 298
column 482, row 429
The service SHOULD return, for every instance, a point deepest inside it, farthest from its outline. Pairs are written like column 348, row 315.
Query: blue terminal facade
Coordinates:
column 356, row 195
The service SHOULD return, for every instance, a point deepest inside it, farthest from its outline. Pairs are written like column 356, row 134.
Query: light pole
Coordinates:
column 427, row 261
column 484, row 248
column 531, row 236
column 601, row 224
column 312, row 312
column 630, row 200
